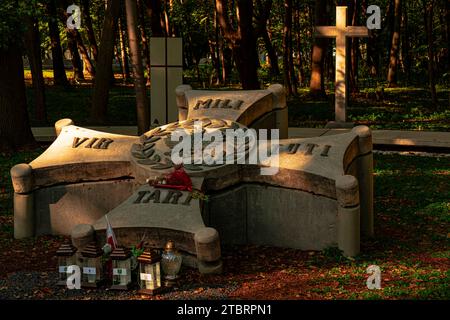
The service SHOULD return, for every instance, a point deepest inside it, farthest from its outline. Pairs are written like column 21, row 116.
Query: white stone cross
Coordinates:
column 341, row 31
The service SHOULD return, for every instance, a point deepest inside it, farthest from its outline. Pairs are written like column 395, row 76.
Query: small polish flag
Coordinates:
column 110, row 236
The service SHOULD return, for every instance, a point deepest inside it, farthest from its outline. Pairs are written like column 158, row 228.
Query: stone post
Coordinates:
column 22, row 180
column 61, row 124
column 279, row 104
column 348, row 221
column 365, row 178
column 207, row 244
column 182, row 102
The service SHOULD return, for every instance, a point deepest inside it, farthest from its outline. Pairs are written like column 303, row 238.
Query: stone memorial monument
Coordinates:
column 320, row 196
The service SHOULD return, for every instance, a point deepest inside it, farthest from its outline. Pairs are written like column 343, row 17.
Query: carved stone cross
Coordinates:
column 341, row 31
column 320, row 196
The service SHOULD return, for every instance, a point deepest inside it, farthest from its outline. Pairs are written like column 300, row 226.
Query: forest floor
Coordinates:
column 406, row 108
column 411, row 246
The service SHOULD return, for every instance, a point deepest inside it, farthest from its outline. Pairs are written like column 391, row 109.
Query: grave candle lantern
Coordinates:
column 92, row 266
column 149, row 272
column 171, row 263
column 66, row 257
column 121, row 261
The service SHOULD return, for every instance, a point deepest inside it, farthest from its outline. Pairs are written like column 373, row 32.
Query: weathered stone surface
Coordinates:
column 245, row 107
column 80, row 154
column 347, row 191
column 207, row 244
column 59, row 209
column 290, row 218
column 24, row 215
column 22, row 178
column 151, row 208
column 61, row 124
column 348, row 236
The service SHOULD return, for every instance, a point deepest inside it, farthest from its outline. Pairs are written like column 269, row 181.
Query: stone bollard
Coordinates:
column 207, row 244
column 279, row 104
column 348, row 221
column 22, row 180
column 364, row 165
column 61, row 124
column 182, row 103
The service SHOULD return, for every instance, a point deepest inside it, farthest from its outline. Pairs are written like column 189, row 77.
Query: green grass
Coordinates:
column 400, row 109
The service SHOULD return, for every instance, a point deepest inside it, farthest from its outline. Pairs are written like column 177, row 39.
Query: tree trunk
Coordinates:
column 242, row 41
column 75, row 57
column 319, row 49
column 59, row 72
column 142, row 103
column 395, row 45
column 154, row 12
column 15, row 131
column 105, row 58
column 406, row 55
column 447, row 32
column 217, row 50
column 428, row 7
column 353, row 44
column 90, row 29
column 297, row 27
column 87, row 62
column 271, row 53
column 223, row 63
column 372, row 50
column 287, row 45
column 33, row 47
column 144, row 37
column 123, row 51
column 264, row 9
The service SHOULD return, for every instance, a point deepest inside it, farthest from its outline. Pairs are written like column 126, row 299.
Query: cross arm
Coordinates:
column 325, row 32
column 357, row 31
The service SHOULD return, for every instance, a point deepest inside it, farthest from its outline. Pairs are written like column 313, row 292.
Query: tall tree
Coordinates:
column 77, row 48
column 154, row 12
column 262, row 15
column 142, row 103
column 300, row 58
column 105, row 57
column 288, row 64
column 242, row 40
column 59, row 72
column 319, row 49
column 89, row 28
column 123, row 51
column 144, row 39
column 75, row 57
column 33, row 48
column 395, row 45
column 428, row 8
column 15, row 131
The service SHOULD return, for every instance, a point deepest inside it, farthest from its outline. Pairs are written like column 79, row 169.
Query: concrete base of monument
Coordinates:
column 339, row 125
